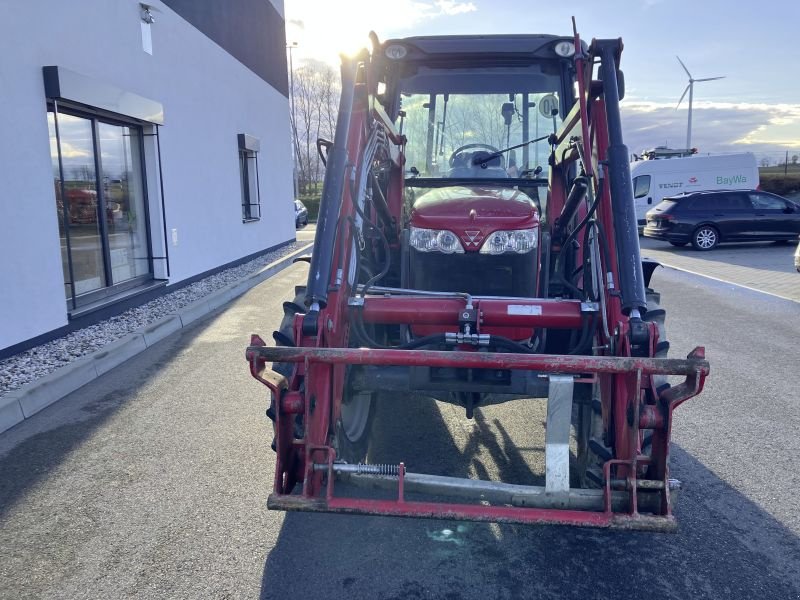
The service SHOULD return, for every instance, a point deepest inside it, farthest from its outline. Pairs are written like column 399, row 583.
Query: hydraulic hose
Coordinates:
column 587, row 333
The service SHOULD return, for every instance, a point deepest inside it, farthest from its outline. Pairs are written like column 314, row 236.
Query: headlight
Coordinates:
column 435, row 240
column 564, row 48
column 395, row 52
column 518, row 241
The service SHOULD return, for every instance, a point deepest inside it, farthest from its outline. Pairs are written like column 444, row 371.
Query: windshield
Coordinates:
column 457, row 135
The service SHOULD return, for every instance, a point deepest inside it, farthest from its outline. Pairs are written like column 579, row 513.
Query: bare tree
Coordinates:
column 316, row 98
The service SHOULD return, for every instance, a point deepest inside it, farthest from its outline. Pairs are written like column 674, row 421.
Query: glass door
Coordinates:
column 124, row 199
column 101, row 205
column 78, row 204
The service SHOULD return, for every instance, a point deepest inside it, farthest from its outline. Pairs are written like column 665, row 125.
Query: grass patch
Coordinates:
column 778, row 183
column 790, row 169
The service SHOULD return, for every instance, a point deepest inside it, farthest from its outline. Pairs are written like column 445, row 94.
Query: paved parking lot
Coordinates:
column 151, row 481
column 763, row 266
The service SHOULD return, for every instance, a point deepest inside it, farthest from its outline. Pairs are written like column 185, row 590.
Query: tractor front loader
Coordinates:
column 477, row 244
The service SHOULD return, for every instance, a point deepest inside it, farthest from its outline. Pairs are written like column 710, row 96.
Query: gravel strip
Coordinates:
column 39, row 361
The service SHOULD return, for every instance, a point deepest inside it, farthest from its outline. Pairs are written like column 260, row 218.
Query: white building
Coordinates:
column 142, row 147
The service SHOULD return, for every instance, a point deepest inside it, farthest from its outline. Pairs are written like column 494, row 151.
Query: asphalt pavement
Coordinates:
column 764, row 266
column 151, row 481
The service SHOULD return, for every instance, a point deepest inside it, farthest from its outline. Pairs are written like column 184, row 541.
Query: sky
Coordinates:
column 753, row 45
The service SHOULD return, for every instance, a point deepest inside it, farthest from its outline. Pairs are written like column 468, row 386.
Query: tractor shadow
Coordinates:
column 726, row 547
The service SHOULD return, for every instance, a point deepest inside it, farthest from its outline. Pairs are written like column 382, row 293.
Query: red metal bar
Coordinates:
column 472, row 512
column 551, row 363
column 293, row 403
column 580, row 76
column 650, row 417
column 521, row 312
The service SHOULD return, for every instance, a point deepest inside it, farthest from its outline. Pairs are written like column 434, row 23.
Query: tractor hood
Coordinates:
column 477, row 209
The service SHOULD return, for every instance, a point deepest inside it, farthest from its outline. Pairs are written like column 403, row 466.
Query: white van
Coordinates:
column 653, row 180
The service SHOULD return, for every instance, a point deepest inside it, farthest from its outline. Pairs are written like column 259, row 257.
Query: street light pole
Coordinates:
column 295, row 147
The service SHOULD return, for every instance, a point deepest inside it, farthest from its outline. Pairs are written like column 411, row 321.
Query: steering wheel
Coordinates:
column 461, row 149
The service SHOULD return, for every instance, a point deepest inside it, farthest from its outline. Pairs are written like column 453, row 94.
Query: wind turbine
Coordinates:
column 690, row 89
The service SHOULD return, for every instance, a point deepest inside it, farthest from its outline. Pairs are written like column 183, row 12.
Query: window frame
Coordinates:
column 249, row 148
column 752, row 196
column 636, row 194
column 95, row 117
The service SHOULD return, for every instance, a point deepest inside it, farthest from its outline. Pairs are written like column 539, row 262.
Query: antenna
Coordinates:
column 690, row 89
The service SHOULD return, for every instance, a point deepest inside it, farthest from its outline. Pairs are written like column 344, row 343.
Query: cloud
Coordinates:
column 765, row 129
column 451, row 7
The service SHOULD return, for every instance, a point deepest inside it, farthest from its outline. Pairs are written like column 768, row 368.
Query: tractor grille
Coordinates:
column 473, row 273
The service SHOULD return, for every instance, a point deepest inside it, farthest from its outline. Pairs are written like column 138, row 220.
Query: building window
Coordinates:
column 98, row 172
column 248, row 177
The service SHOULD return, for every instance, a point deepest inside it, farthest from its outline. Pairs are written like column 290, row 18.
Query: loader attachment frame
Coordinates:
column 625, row 501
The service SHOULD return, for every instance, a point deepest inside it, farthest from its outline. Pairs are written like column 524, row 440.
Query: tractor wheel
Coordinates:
column 284, row 336
column 705, row 237
column 592, row 452
column 657, row 315
column 354, row 427
column 591, row 449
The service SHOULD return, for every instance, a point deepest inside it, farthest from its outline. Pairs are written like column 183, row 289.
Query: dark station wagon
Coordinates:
column 706, row 219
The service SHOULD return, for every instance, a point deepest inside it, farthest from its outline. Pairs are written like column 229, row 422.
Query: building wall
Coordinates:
column 208, row 97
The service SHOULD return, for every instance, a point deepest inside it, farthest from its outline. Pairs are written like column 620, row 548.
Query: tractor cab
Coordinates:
column 477, row 155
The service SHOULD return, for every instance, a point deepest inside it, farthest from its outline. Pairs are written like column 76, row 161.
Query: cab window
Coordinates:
column 641, row 186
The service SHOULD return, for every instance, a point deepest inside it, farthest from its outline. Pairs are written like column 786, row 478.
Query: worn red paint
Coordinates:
column 548, row 363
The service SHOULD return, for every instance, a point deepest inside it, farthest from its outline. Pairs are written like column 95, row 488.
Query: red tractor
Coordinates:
column 477, row 244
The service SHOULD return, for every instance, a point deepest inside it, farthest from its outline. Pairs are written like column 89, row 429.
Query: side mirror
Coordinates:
column 508, row 111
column 324, row 145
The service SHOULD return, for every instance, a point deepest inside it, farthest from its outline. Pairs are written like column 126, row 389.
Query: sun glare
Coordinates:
column 323, row 29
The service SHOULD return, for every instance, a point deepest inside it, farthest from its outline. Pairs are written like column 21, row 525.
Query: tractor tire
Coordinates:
column 284, row 336
column 592, row 452
column 353, row 429
column 705, row 238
